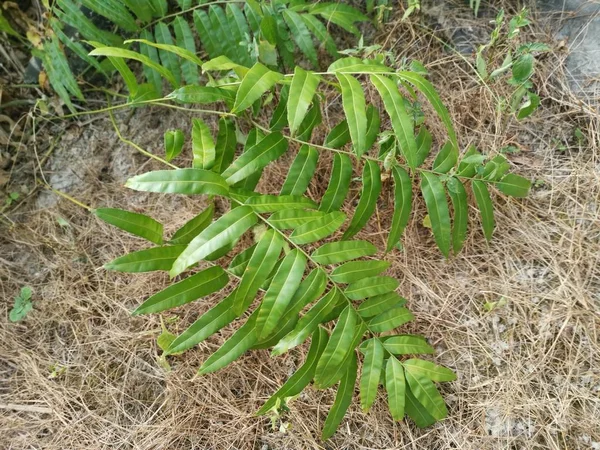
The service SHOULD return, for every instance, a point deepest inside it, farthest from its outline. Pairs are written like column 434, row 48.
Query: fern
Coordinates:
column 288, row 267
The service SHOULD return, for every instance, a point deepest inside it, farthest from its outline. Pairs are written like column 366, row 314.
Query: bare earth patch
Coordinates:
column 517, row 319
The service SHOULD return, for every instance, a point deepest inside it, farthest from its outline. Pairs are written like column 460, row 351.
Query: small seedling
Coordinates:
column 12, row 198
column 22, row 305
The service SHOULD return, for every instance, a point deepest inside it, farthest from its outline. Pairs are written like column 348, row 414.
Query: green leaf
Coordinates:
column 423, row 145
column 226, row 145
column 338, row 348
column 281, row 290
column 395, row 385
column 430, row 93
column 210, row 322
column 369, row 287
column 300, row 34
column 380, row 304
column 353, row 101
column 339, row 183
column 312, row 120
column 234, row 347
column 148, row 260
column 301, row 171
column 390, row 319
column 446, row 158
column 402, row 205
column 357, row 65
column 59, row 73
column 531, row 104
column 238, row 264
column 320, row 32
column 458, row 195
column 373, row 125
column 224, row 231
column 169, row 61
column 338, row 136
column 522, row 68
column 134, row 223
column 194, row 227
column 185, row 40
column 257, row 81
column 371, row 373
column 367, row 203
column 263, row 260
column 173, row 144
column 200, row 95
column 401, row 121
column 343, row 398
column 341, row 14
column 416, row 411
column 256, row 157
column 129, row 54
column 198, row 285
column 293, row 218
column 429, row 370
column 486, row 208
column 514, row 185
column 180, row 181
column 308, row 323
column 407, row 345
column 203, row 145
column 270, row 203
column 437, row 208
column 425, row 392
column 318, row 229
column 496, row 168
column 301, row 377
column 357, row 270
column 279, row 118
column 337, row 252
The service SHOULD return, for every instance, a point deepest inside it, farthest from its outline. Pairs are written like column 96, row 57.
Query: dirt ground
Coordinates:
column 80, row 372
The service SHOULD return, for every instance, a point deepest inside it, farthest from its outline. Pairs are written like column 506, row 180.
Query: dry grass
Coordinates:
column 529, row 374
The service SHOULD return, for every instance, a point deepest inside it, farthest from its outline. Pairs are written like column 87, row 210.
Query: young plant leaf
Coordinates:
column 302, row 91
column 371, row 178
column 338, row 136
column 343, row 398
column 353, row 101
column 300, row 34
column 173, row 144
column 395, row 385
column 390, row 319
column 341, row 251
column 458, row 195
column 407, row 345
column 401, row 121
column 308, row 323
column 180, row 181
column 446, row 158
column 486, row 208
column 221, row 233
column 357, row 270
column 134, row 223
column 429, row 370
column 226, row 145
column 417, row 412
column 301, row 171
column 281, row 291
column 301, row 377
column 339, row 184
column 426, row 393
column 256, row 158
column 402, row 205
column 370, row 287
column 437, row 208
column 257, row 81
column 148, row 260
column 198, row 285
column 380, row 304
column 203, row 145
column 288, row 219
column 194, row 226
column 318, row 229
column 514, row 185
column 371, row 373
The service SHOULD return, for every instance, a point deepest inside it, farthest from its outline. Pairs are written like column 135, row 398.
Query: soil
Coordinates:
column 517, row 318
